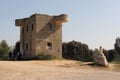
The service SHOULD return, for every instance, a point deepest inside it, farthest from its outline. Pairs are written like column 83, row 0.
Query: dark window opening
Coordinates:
column 49, row 46
column 49, row 26
column 22, row 30
column 27, row 29
column 32, row 27
column 26, row 46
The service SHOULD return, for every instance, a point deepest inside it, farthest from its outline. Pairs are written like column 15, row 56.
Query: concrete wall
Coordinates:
column 45, row 36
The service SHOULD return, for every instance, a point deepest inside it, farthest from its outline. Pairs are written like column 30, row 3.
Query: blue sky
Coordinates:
column 94, row 22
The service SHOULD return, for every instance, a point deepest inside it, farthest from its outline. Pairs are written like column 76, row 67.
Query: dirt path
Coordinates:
column 53, row 70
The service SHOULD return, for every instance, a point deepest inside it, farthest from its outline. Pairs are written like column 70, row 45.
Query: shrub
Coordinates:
column 43, row 56
column 4, row 50
column 117, row 57
column 76, row 51
column 110, row 54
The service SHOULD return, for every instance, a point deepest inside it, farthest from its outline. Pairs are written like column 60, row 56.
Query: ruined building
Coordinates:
column 41, row 33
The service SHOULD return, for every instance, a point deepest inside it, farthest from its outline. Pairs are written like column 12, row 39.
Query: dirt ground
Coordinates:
column 54, row 70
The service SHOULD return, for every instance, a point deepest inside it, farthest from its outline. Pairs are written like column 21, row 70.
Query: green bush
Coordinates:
column 4, row 50
column 76, row 51
column 43, row 56
column 117, row 58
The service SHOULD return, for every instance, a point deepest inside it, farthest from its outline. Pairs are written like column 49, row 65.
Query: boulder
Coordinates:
column 100, row 58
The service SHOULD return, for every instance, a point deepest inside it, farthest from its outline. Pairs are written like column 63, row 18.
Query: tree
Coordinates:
column 110, row 54
column 4, row 49
column 76, row 51
column 64, row 50
column 16, row 49
column 117, row 45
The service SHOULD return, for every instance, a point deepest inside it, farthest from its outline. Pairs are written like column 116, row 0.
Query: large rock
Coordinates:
column 100, row 58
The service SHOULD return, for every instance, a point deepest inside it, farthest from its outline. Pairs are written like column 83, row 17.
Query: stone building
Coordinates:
column 41, row 33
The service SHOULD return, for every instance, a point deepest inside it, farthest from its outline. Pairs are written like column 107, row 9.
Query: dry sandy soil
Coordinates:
column 54, row 70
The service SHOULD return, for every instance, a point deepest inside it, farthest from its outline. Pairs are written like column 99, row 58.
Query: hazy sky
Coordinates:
column 94, row 22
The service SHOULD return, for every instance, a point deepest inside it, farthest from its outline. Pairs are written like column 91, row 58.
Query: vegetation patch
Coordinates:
column 4, row 50
column 43, row 56
column 117, row 65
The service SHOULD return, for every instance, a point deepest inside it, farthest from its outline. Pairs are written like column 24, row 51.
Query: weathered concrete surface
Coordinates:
column 52, row 70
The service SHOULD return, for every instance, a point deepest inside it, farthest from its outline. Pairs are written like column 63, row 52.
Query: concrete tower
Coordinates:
column 41, row 33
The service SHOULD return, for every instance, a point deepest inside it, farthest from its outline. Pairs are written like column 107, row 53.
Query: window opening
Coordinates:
column 49, row 46
column 26, row 46
column 50, row 26
column 27, row 29
column 32, row 27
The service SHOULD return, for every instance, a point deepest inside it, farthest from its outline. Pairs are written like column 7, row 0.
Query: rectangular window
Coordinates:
column 23, row 30
column 27, row 29
column 49, row 26
column 49, row 46
column 32, row 27
column 26, row 46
